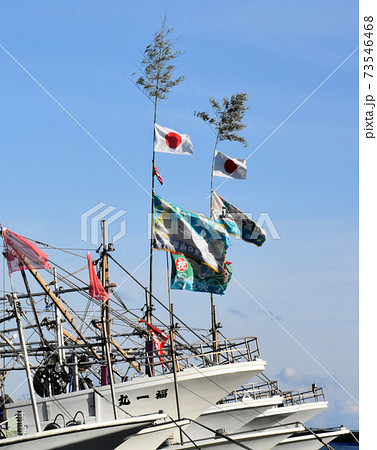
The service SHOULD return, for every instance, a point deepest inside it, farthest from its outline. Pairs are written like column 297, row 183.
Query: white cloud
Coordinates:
column 350, row 407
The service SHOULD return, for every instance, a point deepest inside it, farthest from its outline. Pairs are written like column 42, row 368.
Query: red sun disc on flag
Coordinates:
column 230, row 166
column 173, row 140
column 181, row 264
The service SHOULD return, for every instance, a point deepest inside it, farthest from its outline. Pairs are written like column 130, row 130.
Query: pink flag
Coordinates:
column 23, row 254
column 159, row 338
column 96, row 290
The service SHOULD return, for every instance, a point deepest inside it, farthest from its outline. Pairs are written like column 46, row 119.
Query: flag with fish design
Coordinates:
column 182, row 231
column 236, row 222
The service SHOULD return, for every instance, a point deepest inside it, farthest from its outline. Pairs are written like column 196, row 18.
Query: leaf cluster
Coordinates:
column 227, row 118
column 157, row 67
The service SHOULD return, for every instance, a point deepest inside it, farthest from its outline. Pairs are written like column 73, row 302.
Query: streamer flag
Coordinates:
column 96, row 290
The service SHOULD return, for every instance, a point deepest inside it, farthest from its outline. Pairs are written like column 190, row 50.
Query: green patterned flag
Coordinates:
column 191, row 275
column 194, row 235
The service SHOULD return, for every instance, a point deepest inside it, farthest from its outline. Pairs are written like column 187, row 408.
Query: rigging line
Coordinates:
column 294, row 111
column 74, row 313
column 215, row 404
column 224, row 436
column 295, row 340
column 153, row 296
column 183, row 431
column 119, row 315
column 57, row 401
column 72, row 273
column 53, row 247
column 242, row 401
column 203, row 398
column 75, row 120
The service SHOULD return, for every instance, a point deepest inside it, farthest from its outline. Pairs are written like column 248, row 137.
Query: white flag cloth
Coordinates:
column 170, row 141
column 227, row 167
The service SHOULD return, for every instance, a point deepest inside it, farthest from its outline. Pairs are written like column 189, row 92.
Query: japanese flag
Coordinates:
column 229, row 167
column 170, row 141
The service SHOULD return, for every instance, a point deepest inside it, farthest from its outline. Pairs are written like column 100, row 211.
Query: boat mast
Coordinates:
column 105, row 277
column 105, row 310
column 149, row 306
column 214, row 324
column 59, row 324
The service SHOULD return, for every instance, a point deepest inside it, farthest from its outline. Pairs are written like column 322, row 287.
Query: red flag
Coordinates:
column 159, row 338
column 158, row 175
column 20, row 249
column 96, row 290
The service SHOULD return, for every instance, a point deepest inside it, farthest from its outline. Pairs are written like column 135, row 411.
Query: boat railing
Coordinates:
column 225, row 351
column 253, row 391
column 303, row 396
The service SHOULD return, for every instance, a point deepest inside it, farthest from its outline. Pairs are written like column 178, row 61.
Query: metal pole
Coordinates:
column 215, row 335
column 174, row 359
column 106, row 316
column 149, row 304
column 14, row 302
column 59, row 324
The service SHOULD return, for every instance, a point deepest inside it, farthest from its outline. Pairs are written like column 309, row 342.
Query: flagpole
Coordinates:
column 215, row 335
column 106, row 330
column 172, row 344
column 149, row 344
column 149, row 298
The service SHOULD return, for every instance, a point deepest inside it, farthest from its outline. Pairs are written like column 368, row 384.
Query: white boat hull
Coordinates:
column 198, row 389
column 230, row 417
column 310, row 442
column 106, row 436
column 285, row 414
column 256, row 440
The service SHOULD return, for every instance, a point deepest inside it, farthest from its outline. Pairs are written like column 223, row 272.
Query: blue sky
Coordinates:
column 305, row 175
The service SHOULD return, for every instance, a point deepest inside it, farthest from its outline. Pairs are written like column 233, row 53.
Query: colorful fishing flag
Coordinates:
column 23, row 254
column 96, row 290
column 191, row 275
column 170, row 141
column 236, row 222
column 158, row 175
column 159, row 338
column 182, row 231
column 227, row 167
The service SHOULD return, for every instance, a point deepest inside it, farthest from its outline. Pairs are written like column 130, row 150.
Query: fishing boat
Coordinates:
column 313, row 439
column 257, row 406
column 264, row 439
column 299, row 406
column 107, row 435
column 60, row 365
